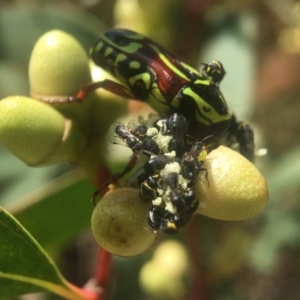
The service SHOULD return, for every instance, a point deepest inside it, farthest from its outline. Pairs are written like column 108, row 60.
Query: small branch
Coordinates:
column 200, row 287
column 103, row 271
column 102, row 276
column 99, row 174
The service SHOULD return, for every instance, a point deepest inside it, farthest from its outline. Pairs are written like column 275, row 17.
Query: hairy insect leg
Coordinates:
column 114, row 178
column 108, row 85
column 206, row 174
column 243, row 134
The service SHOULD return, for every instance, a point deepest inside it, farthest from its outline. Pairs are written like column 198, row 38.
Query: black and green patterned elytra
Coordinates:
column 158, row 77
column 150, row 73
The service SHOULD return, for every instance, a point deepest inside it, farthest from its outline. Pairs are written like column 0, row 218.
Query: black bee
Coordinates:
column 174, row 193
column 192, row 161
column 165, row 222
column 148, row 176
column 161, row 220
column 134, row 137
column 149, row 188
column 170, row 224
column 157, row 163
column 176, row 127
column 155, row 216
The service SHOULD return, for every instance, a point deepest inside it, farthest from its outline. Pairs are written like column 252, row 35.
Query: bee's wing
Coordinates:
column 115, row 139
column 132, row 125
column 152, row 118
column 134, row 177
column 139, row 170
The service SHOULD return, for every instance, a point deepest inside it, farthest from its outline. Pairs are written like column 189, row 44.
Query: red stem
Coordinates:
column 101, row 280
column 103, row 268
column 103, row 271
column 200, row 286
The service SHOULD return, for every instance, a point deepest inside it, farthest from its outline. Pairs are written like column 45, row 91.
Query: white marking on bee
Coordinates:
column 160, row 191
column 170, row 168
column 167, row 193
column 171, row 208
column 183, row 182
column 157, row 201
column 152, row 131
column 159, row 123
column 162, row 141
column 170, row 154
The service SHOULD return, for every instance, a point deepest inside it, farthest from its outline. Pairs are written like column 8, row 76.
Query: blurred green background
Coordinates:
column 258, row 42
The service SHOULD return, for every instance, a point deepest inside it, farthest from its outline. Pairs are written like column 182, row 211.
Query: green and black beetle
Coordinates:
column 150, row 73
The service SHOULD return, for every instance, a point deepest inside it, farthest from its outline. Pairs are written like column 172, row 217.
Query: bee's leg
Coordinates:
column 206, row 174
column 242, row 133
column 114, row 178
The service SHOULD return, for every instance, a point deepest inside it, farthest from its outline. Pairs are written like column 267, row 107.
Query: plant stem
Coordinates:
column 103, row 271
column 200, row 288
column 103, row 268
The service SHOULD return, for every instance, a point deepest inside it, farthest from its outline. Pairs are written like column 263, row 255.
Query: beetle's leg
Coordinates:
column 243, row 134
column 109, row 85
column 114, row 178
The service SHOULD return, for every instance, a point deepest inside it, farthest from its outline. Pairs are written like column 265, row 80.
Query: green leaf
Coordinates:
column 17, row 179
column 57, row 212
column 24, row 266
column 35, row 20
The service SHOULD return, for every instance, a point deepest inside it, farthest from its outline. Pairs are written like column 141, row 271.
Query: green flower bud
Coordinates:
column 38, row 134
column 235, row 189
column 58, row 66
column 119, row 223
